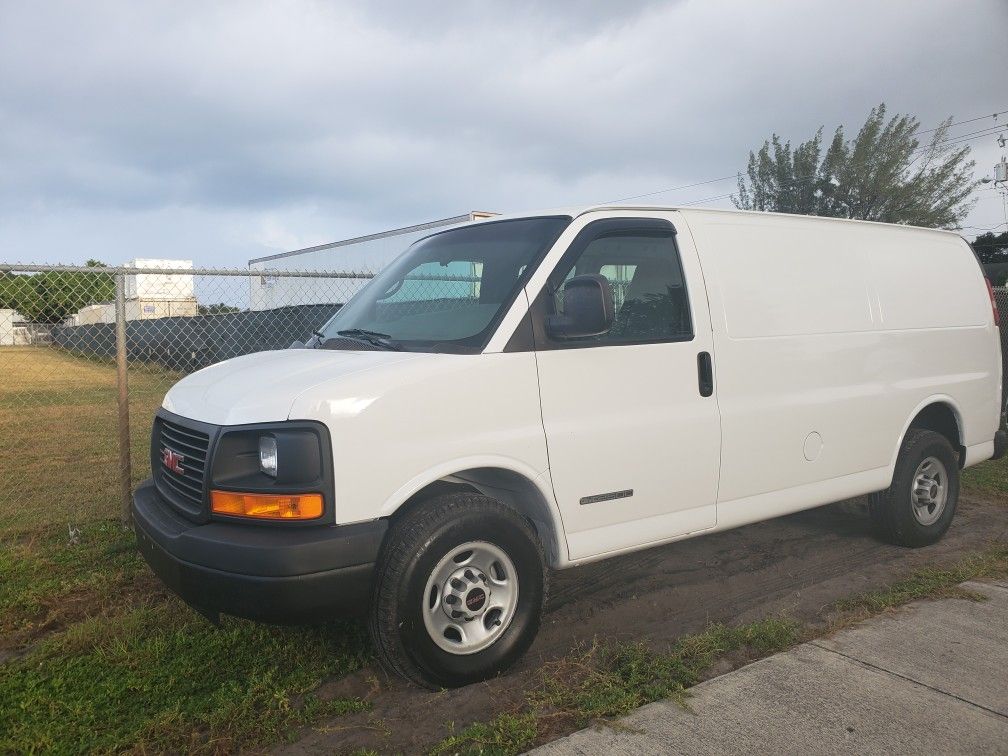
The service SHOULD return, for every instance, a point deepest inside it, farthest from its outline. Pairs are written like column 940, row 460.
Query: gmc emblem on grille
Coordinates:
column 173, row 461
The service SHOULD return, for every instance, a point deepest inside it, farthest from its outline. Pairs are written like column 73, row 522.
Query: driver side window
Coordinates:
column 649, row 291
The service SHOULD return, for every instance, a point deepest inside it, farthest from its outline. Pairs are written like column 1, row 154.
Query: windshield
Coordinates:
column 448, row 292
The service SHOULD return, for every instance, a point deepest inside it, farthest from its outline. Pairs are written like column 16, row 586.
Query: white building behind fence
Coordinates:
column 148, row 295
column 7, row 320
column 160, row 295
column 16, row 330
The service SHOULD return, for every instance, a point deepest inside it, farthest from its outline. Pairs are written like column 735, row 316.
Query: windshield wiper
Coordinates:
column 375, row 338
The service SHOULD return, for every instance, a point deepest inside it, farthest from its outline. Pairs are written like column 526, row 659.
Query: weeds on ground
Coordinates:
column 609, row 680
column 117, row 663
column 160, row 678
column 506, row 734
column 929, row 583
column 612, row 680
column 58, row 574
column 987, row 478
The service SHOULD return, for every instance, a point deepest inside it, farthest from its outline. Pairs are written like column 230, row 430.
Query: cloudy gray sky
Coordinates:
column 225, row 131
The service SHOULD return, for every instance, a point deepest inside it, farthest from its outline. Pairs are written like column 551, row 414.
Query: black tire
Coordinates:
column 413, row 548
column 892, row 510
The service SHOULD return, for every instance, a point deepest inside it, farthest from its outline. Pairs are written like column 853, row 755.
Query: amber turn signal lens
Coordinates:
column 267, row 506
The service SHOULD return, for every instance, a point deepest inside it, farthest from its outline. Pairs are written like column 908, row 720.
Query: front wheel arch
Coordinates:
column 508, row 486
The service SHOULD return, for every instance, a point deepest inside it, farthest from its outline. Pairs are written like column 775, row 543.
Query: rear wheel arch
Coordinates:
column 942, row 417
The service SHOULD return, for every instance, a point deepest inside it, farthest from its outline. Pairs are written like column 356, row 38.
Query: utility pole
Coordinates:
column 1000, row 179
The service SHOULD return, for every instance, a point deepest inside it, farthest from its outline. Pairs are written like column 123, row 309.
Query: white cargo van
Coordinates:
column 526, row 394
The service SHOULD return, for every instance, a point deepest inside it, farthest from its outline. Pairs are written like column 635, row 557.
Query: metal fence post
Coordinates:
column 122, row 381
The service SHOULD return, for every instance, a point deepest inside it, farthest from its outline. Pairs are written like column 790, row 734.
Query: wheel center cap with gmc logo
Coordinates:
column 475, row 599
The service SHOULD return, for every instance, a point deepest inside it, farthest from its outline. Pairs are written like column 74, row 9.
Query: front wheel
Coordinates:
column 459, row 591
column 918, row 507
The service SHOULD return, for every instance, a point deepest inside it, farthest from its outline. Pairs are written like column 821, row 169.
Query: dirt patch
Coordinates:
column 798, row 565
column 58, row 612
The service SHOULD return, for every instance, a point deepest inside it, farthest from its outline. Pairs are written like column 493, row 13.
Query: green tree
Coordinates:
column 883, row 174
column 53, row 296
column 217, row 309
column 992, row 251
column 991, row 248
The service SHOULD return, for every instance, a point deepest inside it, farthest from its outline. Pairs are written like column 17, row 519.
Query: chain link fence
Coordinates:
column 88, row 353
column 1001, row 300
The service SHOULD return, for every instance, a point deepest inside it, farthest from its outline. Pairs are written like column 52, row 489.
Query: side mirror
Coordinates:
column 588, row 310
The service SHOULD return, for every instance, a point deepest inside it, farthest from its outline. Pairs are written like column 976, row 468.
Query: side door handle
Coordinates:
column 705, row 373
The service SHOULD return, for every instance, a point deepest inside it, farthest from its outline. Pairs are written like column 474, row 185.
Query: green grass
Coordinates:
column 110, row 661
column 158, row 678
column 98, row 657
column 990, row 478
column 932, row 582
column 53, row 576
column 59, row 450
column 612, row 680
column 507, row 734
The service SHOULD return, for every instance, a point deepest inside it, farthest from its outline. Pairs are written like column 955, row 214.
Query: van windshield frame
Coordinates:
column 449, row 292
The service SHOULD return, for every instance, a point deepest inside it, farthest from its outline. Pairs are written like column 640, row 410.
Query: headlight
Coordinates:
column 268, row 455
column 273, row 471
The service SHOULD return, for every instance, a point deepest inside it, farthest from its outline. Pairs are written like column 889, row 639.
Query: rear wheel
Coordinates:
column 918, row 507
column 459, row 591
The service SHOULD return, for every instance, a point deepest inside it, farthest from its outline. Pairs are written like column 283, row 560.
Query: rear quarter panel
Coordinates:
column 841, row 329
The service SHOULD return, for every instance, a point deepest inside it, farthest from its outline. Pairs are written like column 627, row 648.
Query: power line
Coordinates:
column 968, row 120
column 956, row 139
column 673, row 189
column 987, row 131
column 705, row 199
column 980, row 228
column 962, row 138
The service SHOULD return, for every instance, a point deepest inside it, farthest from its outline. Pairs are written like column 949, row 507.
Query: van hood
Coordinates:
column 261, row 387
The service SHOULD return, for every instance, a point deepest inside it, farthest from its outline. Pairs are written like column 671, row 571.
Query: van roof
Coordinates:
column 577, row 210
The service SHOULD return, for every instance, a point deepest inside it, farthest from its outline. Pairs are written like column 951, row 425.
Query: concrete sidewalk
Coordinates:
column 929, row 678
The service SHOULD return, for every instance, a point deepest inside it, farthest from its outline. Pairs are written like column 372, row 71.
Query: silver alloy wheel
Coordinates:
column 929, row 493
column 471, row 597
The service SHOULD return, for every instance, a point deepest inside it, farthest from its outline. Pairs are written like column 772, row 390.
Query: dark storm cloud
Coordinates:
column 217, row 130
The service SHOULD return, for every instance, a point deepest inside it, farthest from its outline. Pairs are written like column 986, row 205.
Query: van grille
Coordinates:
column 179, row 460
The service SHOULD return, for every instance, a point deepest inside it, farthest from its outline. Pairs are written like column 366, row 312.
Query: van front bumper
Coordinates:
column 283, row 575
